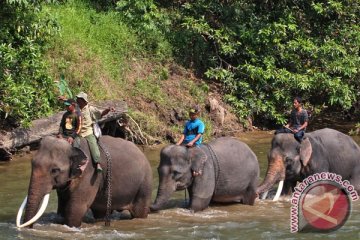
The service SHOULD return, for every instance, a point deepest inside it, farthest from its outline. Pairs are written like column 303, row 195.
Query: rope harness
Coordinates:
column 108, row 183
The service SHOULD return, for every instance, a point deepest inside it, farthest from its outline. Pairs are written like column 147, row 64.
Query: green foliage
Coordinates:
column 93, row 49
column 150, row 23
column 356, row 131
column 266, row 53
column 24, row 82
column 64, row 88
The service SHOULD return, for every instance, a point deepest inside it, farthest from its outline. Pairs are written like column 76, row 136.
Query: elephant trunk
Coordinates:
column 166, row 188
column 38, row 188
column 275, row 172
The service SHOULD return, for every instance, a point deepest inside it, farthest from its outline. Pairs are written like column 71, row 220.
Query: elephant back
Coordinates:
column 127, row 157
column 233, row 162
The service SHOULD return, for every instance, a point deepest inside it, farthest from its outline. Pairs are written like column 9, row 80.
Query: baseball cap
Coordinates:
column 194, row 109
column 69, row 102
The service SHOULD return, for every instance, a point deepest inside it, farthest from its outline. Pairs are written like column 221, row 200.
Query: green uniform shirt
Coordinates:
column 89, row 115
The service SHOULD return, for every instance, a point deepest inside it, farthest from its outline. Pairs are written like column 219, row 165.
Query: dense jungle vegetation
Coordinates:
column 261, row 53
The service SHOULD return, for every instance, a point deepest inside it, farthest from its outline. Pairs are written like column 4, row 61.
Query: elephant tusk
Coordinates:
column 38, row 214
column 264, row 195
column 278, row 192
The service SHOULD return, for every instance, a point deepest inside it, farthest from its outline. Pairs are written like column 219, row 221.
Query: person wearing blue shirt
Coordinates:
column 193, row 131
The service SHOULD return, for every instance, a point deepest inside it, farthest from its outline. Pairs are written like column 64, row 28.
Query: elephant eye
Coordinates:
column 55, row 171
column 175, row 173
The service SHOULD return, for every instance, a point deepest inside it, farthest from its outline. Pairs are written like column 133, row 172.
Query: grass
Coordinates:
column 99, row 54
column 92, row 49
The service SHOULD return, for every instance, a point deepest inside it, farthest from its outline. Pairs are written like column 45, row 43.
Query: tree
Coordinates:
column 266, row 52
column 24, row 82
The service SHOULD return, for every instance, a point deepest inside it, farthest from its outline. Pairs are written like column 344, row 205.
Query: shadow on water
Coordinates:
column 264, row 220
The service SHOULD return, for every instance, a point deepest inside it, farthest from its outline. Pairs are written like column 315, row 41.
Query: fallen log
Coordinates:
column 21, row 137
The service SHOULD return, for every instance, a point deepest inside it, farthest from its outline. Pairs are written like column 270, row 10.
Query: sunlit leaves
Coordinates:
column 266, row 53
column 24, row 81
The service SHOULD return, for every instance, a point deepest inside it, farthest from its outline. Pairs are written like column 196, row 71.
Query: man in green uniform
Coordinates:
column 89, row 115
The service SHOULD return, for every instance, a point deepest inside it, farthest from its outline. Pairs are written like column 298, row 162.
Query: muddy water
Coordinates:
column 265, row 220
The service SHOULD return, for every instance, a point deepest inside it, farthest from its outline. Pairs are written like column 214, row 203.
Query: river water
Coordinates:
column 264, row 220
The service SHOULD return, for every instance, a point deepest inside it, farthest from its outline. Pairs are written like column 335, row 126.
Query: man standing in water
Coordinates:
column 89, row 115
column 298, row 121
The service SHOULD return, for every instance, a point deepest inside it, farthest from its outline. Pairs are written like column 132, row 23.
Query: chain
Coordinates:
column 108, row 184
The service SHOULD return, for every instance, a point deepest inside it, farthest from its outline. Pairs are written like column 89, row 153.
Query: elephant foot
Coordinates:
column 140, row 212
column 154, row 208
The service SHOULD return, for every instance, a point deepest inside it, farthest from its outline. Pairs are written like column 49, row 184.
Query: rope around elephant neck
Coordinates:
column 108, row 183
column 216, row 163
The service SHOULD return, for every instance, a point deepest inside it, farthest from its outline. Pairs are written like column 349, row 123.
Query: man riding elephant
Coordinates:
column 298, row 121
column 89, row 114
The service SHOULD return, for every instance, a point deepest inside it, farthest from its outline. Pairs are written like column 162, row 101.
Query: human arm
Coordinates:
column 78, row 125
column 302, row 127
column 61, row 127
column 200, row 132
column 107, row 110
column 181, row 139
column 191, row 143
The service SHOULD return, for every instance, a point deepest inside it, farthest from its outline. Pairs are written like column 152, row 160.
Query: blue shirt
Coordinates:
column 193, row 128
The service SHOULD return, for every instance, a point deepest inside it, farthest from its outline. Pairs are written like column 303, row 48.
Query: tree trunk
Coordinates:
column 21, row 137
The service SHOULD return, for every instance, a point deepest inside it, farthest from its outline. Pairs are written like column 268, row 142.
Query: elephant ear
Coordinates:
column 197, row 158
column 305, row 151
column 78, row 162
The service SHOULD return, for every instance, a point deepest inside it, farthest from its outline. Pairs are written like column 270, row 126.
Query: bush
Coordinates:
column 24, row 82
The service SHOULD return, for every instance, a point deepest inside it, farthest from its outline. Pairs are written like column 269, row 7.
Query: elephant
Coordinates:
column 229, row 173
column 324, row 150
column 58, row 165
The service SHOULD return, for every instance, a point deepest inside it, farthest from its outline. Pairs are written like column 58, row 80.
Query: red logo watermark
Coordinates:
column 322, row 202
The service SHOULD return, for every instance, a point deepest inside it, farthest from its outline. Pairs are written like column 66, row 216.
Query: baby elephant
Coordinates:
column 224, row 170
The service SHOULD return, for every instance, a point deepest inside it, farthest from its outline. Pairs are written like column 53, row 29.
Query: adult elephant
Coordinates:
column 58, row 165
column 229, row 173
column 324, row 150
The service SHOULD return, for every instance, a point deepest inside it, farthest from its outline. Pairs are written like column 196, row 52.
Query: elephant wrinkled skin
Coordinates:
column 230, row 172
column 58, row 165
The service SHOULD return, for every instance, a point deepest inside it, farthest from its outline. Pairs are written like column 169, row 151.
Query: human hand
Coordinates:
column 70, row 140
column 190, row 144
column 61, row 98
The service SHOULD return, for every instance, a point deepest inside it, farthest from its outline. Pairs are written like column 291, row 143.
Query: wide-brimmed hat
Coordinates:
column 83, row 96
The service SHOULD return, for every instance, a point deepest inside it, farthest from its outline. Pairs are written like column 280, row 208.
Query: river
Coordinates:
column 264, row 220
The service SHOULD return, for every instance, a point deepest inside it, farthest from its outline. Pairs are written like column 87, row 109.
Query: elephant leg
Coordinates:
column 355, row 179
column 288, row 187
column 198, row 203
column 63, row 198
column 77, row 207
column 140, row 207
column 250, row 196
